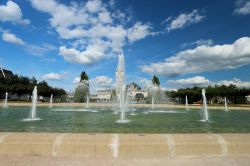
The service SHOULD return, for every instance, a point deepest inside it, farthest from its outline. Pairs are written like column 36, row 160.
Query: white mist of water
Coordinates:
column 51, row 101
column 205, row 111
column 33, row 116
column 186, row 104
column 121, row 91
column 5, row 104
column 34, row 103
column 3, row 73
column 226, row 108
column 87, row 102
column 152, row 103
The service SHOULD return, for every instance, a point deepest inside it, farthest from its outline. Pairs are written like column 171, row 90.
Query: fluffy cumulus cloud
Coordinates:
column 183, row 20
column 102, row 80
column 203, row 82
column 243, row 7
column 76, row 80
column 12, row 38
column 12, row 12
column 53, row 76
column 100, row 83
column 96, row 24
column 138, row 31
column 203, row 59
column 190, row 82
column 235, row 81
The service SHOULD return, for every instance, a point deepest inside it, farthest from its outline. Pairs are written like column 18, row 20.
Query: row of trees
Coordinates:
column 23, row 86
column 234, row 94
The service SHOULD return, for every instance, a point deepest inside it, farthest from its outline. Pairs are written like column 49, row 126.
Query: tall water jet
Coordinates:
column 186, row 104
column 51, row 101
column 152, row 102
column 87, row 102
column 205, row 111
column 33, row 116
column 3, row 73
column 34, row 103
column 5, row 104
column 121, row 91
column 225, row 100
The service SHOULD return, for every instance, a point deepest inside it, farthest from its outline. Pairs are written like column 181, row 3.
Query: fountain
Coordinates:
column 5, row 104
column 205, row 111
column 33, row 116
column 186, row 104
column 226, row 108
column 121, row 91
column 51, row 101
column 152, row 102
column 87, row 102
column 3, row 73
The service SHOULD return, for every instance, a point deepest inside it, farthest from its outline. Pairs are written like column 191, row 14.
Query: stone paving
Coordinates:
column 125, row 146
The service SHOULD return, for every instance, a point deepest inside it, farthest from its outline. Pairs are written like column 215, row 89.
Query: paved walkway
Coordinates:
column 119, row 149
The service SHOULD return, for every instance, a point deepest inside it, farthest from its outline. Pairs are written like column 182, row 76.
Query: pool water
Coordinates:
column 94, row 120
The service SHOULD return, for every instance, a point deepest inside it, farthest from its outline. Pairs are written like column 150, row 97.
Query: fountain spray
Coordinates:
column 226, row 108
column 51, row 101
column 205, row 111
column 121, row 90
column 5, row 104
column 186, row 104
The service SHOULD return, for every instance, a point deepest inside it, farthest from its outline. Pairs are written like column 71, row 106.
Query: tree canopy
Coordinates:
column 84, row 76
column 155, row 81
column 234, row 94
column 23, row 86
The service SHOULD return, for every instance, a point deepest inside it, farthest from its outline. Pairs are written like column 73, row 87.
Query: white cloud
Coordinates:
column 105, row 17
column 243, row 7
column 12, row 12
column 53, row 76
column 203, row 59
column 100, row 83
column 76, row 80
column 235, row 81
column 138, row 31
column 90, row 22
column 190, row 82
column 199, row 42
column 203, row 82
column 184, row 20
column 92, row 53
column 11, row 38
column 93, row 6
column 102, row 80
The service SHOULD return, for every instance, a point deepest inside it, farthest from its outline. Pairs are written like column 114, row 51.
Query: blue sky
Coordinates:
column 185, row 43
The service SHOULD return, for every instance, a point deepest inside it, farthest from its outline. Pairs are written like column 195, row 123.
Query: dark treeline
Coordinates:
column 23, row 86
column 215, row 94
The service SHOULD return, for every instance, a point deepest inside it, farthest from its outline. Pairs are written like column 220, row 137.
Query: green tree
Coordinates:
column 82, row 90
column 155, row 80
column 84, row 76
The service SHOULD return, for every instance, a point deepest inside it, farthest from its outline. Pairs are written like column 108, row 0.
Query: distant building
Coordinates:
column 102, row 95
column 133, row 87
column 135, row 92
